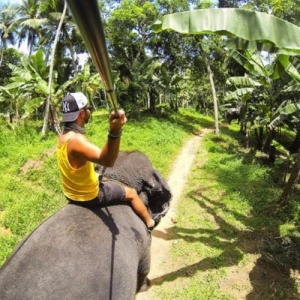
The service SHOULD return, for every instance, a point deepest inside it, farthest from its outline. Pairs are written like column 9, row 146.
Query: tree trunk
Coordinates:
column 1, row 56
column 290, row 184
column 73, row 58
column 294, row 148
column 214, row 94
column 152, row 101
column 148, row 100
column 259, row 133
column 268, row 147
column 49, row 98
column 54, row 125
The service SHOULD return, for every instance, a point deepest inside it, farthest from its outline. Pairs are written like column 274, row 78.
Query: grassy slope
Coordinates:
column 226, row 224
column 227, row 231
column 29, row 181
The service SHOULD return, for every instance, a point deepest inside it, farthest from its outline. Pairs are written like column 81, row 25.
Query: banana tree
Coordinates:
column 247, row 29
column 171, row 85
column 28, row 85
column 255, row 30
column 268, row 83
column 288, row 112
column 11, row 102
column 244, row 29
column 175, row 86
column 88, row 83
column 244, row 85
column 243, row 95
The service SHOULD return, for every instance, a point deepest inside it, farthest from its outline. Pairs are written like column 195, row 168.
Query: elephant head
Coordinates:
column 135, row 170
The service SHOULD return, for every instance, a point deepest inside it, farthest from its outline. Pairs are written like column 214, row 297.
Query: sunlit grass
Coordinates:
column 29, row 182
column 227, row 201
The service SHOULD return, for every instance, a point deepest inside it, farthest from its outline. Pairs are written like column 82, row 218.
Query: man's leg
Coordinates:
column 115, row 192
column 138, row 206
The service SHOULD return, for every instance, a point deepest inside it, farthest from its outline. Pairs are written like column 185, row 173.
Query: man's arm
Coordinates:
column 110, row 150
column 81, row 149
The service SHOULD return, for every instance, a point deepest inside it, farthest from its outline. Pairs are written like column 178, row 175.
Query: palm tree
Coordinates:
column 7, row 28
column 30, row 23
column 68, row 38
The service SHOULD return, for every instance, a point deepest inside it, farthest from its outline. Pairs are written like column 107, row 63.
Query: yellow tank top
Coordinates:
column 78, row 184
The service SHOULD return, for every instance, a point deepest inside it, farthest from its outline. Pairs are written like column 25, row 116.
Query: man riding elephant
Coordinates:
column 76, row 157
column 90, row 249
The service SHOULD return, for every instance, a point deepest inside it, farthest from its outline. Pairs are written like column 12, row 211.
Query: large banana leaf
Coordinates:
column 289, row 68
column 284, row 112
column 279, row 147
column 287, row 108
column 241, row 44
column 242, row 81
column 295, row 87
column 248, row 63
column 280, row 67
column 238, row 94
column 245, row 24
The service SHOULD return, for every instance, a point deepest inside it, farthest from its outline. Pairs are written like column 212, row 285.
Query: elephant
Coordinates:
column 233, row 114
column 90, row 253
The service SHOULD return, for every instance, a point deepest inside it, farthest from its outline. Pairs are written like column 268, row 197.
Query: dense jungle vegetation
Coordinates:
column 255, row 72
column 160, row 73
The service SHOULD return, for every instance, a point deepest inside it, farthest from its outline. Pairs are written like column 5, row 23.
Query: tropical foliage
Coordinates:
column 216, row 56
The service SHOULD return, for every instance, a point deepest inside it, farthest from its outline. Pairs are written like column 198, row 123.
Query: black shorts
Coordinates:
column 110, row 192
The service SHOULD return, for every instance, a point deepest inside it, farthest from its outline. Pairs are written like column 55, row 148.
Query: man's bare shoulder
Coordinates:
column 80, row 146
column 78, row 139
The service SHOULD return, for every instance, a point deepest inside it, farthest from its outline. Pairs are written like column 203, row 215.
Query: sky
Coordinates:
column 2, row 2
column 23, row 48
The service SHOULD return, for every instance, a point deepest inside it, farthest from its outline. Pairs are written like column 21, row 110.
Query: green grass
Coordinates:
column 29, row 181
column 224, row 215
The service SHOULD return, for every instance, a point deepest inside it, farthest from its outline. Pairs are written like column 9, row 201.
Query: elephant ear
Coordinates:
column 159, row 195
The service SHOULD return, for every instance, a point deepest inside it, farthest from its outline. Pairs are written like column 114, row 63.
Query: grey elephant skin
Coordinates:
column 90, row 253
column 233, row 114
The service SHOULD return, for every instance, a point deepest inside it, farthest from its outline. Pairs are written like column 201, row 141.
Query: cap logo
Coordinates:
column 65, row 106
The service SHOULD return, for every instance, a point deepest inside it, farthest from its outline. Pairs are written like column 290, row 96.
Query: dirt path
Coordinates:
column 161, row 241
